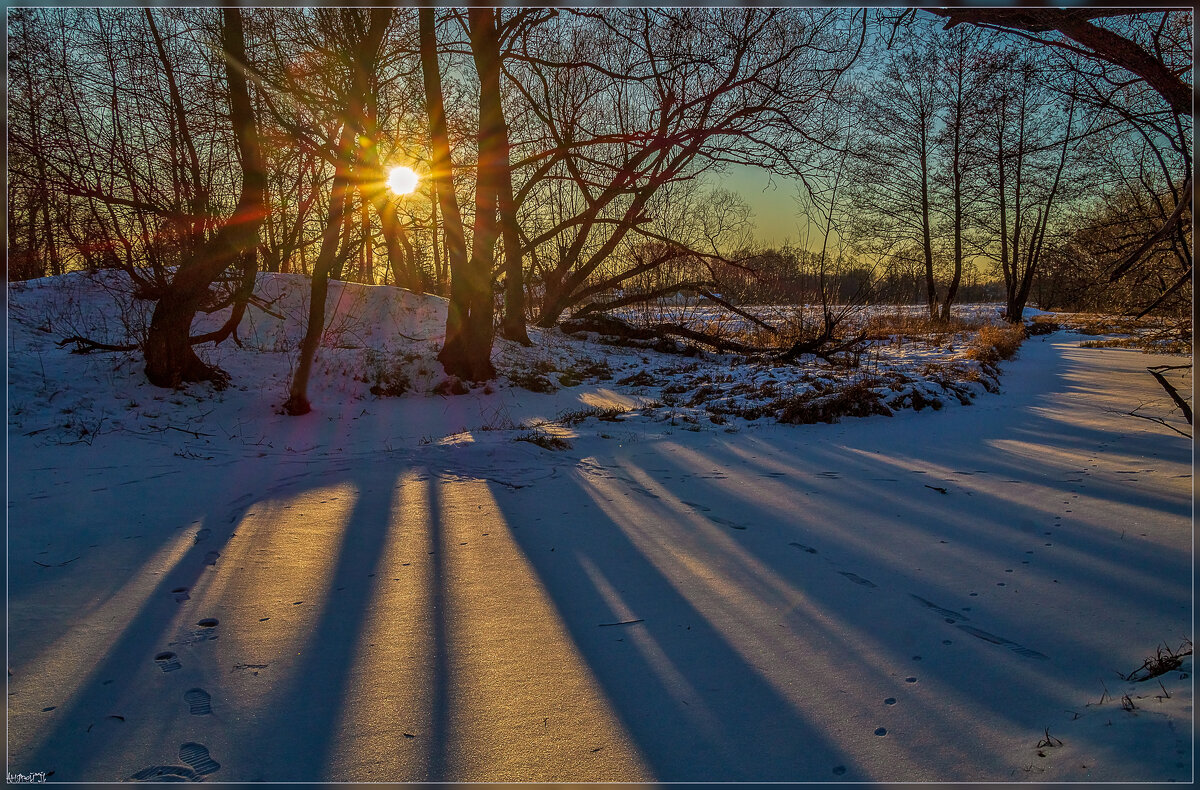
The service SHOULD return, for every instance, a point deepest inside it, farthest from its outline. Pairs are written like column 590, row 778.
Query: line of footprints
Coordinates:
column 840, row 770
column 198, row 763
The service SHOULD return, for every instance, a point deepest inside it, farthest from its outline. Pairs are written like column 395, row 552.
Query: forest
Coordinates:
column 576, row 162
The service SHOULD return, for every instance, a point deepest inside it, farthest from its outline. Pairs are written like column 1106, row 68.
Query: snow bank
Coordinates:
column 382, row 341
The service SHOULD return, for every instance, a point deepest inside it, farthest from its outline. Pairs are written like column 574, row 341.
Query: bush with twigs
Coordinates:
column 994, row 343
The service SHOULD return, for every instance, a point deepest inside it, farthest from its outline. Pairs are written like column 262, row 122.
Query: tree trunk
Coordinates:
column 297, row 402
column 409, row 259
column 467, row 350
column 395, row 253
column 485, row 46
column 467, row 354
column 1018, row 180
column 1014, row 311
column 957, row 186
column 927, row 230
column 439, row 274
column 170, row 360
column 366, row 265
column 1002, row 192
column 1018, row 299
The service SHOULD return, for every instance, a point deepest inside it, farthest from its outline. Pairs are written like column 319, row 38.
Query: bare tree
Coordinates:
column 466, row 352
column 149, row 172
column 491, row 37
column 32, row 236
column 1031, row 134
column 962, row 77
column 1078, row 32
column 895, row 159
column 360, row 37
column 1163, row 63
column 633, row 100
column 170, row 359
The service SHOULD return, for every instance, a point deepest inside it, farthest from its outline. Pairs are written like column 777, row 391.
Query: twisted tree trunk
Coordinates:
column 170, row 359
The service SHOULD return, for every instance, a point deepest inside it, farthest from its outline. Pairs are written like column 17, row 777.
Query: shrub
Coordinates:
column 386, row 375
column 1042, row 326
column 544, row 440
column 640, row 379
column 532, row 381
column 994, row 343
column 857, row 399
column 917, row 326
column 606, row 413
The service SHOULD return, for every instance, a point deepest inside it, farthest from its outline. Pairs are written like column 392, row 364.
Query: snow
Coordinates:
column 404, row 589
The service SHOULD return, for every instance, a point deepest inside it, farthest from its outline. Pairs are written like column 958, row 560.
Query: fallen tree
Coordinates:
column 663, row 336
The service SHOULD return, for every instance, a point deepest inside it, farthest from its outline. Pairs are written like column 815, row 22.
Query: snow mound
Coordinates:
column 380, row 346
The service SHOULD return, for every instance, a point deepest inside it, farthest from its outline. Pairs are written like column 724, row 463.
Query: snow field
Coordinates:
column 395, row 589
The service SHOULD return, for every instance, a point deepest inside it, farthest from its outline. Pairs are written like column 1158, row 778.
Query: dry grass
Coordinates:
column 1153, row 334
column 606, row 413
column 1102, row 324
column 918, row 327
column 1042, row 325
column 1149, row 345
column 541, row 438
column 993, row 343
column 1163, row 661
column 857, row 399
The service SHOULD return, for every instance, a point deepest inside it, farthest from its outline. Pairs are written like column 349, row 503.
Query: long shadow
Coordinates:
column 296, row 735
column 307, row 706
column 994, row 524
column 121, row 674
column 997, row 534
column 696, row 708
column 439, row 754
column 657, row 713
column 699, row 705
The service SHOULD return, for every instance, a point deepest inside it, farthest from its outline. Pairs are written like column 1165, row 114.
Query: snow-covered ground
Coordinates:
column 403, row 588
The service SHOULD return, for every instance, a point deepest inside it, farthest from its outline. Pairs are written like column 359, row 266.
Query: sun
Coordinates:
column 402, row 180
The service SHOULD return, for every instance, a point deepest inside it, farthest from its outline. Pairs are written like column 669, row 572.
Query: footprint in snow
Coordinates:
column 165, row 773
column 802, row 547
column 999, row 640
column 207, row 631
column 727, row 522
column 199, row 701
column 196, row 755
column 202, row 535
column 854, row 577
column 211, row 557
column 949, row 614
column 181, row 594
column 168, row 661
column 107, row 725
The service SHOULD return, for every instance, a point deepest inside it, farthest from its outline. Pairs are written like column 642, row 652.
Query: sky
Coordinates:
column 771, row 198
